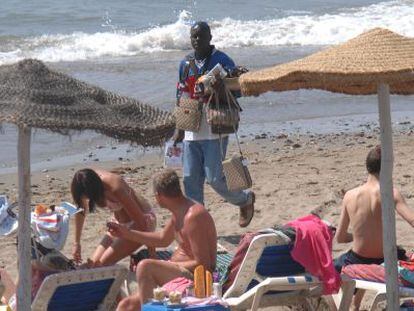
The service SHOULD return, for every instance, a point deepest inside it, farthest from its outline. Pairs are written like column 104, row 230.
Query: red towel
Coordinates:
column 409, row 265
column 313, row 250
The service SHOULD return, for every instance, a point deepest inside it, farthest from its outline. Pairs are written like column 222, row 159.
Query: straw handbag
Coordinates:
column 188, row 114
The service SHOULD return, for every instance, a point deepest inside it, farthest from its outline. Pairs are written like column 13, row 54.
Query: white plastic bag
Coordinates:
column 173, row 155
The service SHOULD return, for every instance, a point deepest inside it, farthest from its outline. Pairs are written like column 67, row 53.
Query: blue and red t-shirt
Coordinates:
column 187, row 81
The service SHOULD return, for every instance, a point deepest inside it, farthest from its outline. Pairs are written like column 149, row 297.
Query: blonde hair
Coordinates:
column 167, row 183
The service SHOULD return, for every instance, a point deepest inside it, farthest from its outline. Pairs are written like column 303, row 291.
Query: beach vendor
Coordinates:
column 191, row 226
column 361, row 210
column 93, row 188
column 202, row 153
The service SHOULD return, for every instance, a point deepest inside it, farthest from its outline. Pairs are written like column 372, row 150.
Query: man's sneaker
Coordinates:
column 247, row 212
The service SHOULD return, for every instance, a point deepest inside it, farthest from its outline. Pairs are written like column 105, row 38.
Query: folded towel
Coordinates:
column 179, row 284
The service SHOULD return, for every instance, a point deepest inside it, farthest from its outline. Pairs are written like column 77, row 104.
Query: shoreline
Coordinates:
column 89, row 148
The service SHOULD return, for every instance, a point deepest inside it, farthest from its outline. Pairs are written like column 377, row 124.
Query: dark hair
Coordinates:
column 202, row 26
column 373, row 161
column 87, row 183
column 167, row 183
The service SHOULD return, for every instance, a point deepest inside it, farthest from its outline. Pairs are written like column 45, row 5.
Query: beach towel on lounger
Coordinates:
column 373, row 273
column 313, row 250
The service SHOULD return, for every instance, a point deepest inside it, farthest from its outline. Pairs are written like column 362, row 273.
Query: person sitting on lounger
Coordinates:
column 91, row 188
column 191, row 226
column 361, row 210
column 50, row 264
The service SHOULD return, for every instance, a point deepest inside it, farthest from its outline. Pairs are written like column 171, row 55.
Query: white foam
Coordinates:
column 316, row 29
column 300, row 28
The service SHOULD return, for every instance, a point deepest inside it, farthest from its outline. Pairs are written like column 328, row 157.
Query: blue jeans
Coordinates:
column 202, row 161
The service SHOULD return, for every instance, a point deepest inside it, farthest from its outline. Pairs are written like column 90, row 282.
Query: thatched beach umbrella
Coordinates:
column 31, row 95
column 377, row 61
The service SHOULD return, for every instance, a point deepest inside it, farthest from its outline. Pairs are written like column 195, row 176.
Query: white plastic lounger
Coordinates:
column 277, row 291
column 81, row 290
column 380, row 292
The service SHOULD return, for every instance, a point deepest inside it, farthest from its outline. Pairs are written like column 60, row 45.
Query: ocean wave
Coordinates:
column 296, row 29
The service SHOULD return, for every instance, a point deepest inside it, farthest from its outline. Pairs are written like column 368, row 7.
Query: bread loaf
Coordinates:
column 209, row 284
column 199, row 282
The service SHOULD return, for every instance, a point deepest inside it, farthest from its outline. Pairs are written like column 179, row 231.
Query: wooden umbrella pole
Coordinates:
column 24, row 232
column 387, row 198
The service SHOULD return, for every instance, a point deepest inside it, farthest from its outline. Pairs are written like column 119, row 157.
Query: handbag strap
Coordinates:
column 193, row 67
column 229, row 97
column 221, row 140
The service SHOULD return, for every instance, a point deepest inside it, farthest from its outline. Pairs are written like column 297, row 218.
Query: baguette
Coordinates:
column 199, row 282
column 209, row 283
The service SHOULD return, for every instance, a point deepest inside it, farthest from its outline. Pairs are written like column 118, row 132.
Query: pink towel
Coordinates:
column 373, row 273
column 313, row 250
column 179, row 284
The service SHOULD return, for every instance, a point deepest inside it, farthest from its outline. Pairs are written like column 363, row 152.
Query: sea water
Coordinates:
column 133, row 48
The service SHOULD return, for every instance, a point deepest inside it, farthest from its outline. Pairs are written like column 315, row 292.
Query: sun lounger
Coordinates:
column 83, row 290
column 372, row 278
column 380, row 292
column 223, row 258
column 252, row 288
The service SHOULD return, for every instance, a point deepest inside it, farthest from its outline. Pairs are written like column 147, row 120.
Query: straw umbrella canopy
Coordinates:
column 32, row 95
column 377, row 61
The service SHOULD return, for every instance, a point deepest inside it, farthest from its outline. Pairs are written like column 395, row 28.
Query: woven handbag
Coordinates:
column 223, row 119
column 188, row 114
column 235, row 169
column 236, row 173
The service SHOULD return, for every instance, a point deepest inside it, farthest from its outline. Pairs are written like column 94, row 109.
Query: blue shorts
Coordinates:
column 350, row 258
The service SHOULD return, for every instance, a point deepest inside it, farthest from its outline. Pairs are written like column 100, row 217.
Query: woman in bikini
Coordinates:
column 99, row 188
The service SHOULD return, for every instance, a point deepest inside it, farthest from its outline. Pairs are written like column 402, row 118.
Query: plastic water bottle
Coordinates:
column 217, row 290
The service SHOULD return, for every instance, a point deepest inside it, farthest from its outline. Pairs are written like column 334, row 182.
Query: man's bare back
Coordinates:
column 361, row 210
column 363, row 207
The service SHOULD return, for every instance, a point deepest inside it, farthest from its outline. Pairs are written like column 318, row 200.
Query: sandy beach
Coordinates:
column 292, row 176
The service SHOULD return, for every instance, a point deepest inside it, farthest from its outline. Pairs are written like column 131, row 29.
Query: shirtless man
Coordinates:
column 361, row 210
column 190, row 225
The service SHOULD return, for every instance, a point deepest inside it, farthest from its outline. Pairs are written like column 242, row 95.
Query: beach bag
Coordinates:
column 187, row 114
column 223, row 118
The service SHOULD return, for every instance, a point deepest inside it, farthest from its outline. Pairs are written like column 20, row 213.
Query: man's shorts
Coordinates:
column 350, row 258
